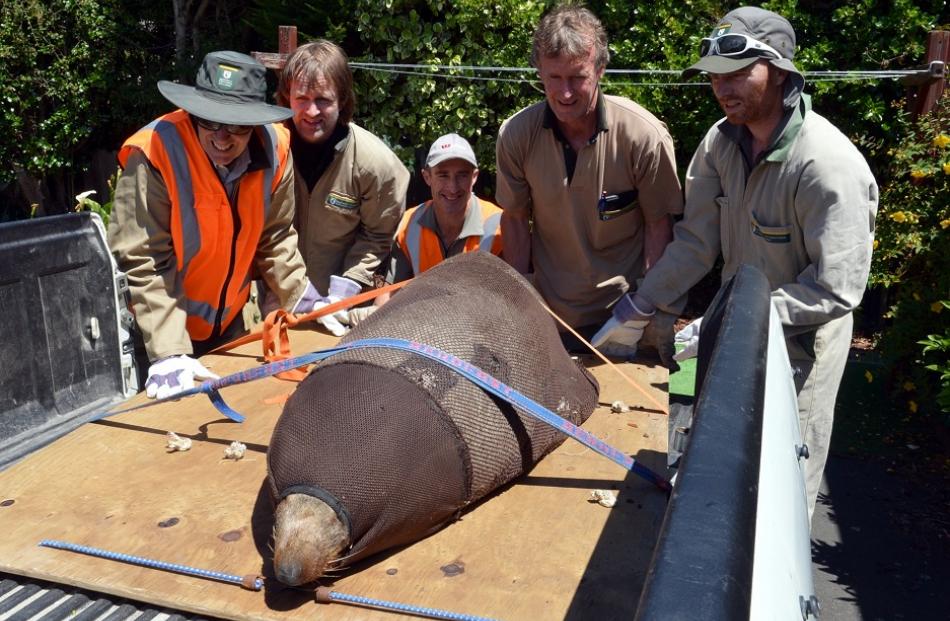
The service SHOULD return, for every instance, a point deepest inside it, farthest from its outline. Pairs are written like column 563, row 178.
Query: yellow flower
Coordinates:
column 912, row 406
column 869, row 376
column 946, row 167
column 877, row 243
column 898, row 216
column 909, row 386
column 936, row 307
column 941, row 141
column 945, row 223
column 918, row 174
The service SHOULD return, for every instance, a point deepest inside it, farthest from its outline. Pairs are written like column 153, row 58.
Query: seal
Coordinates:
column 378, row 447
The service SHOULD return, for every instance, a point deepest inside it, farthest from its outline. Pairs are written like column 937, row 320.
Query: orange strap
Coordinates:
column 626, row 377
column 276, row 341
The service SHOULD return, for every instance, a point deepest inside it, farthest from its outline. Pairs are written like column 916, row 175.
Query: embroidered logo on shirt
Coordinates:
column 342, row 203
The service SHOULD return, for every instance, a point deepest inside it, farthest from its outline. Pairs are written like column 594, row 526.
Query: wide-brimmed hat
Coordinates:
column 450, row 147
column 763, row 26
column 230, row 88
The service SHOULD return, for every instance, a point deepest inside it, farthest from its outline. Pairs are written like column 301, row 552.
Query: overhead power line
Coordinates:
column 458, row 72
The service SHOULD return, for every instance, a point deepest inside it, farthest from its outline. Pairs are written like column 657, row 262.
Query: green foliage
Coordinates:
column 939, row 344
column 410, row 111
column 84, row 202
column 912, row 253
column 860, row 35
column 54, row 65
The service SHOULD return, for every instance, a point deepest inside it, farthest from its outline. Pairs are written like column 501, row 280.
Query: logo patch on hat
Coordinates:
column 226, row 77
column 721, row 29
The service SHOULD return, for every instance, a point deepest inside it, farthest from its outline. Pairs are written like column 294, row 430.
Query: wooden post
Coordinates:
column 287, row 43
column 923, row 98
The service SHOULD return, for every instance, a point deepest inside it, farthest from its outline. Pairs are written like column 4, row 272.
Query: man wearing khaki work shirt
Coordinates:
column 350, row 187
column 587, row 181
column 776, row 186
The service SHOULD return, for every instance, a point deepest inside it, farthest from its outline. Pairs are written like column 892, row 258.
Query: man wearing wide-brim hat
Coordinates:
column 203, row 205
column 777, row 186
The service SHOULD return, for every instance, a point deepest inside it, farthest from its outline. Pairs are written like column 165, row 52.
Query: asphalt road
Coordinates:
column 879, row 544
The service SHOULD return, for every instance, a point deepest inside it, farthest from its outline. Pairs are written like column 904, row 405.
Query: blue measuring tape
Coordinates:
column 467, row 370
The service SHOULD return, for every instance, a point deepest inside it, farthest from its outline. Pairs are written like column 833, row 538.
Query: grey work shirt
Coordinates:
column 803, row 214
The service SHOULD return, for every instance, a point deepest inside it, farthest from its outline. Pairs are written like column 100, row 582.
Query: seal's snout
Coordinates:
column 289, row 573
column 308, row 537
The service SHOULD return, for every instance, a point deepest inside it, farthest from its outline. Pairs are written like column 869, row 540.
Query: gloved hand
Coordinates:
column 621, row 334
column 658, row 337
column 619, row 338
column 359, row 315
column 310, row 301
column 340, row 289
column 689, row 337
column 174, row 374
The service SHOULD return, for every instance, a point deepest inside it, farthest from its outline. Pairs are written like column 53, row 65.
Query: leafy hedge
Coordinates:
column 912, row 260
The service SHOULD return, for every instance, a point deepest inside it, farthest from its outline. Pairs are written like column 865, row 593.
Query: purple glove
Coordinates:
column 310, row 301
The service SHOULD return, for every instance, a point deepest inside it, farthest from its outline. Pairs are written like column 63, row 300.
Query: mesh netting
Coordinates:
column 404, row 442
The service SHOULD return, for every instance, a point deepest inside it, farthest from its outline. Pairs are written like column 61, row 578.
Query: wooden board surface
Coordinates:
column 536, row 549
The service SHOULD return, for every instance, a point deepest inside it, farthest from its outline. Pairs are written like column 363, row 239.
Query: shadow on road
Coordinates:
column 880, row 545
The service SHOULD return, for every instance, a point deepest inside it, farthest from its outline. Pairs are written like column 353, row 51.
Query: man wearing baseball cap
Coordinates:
column 453, row 221
column 777, row 186
column 204, row 202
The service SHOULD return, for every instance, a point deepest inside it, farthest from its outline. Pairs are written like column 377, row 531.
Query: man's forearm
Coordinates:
column 516, row 241
column 656, row 236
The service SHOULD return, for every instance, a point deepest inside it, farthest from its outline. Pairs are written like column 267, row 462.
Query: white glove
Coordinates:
column 331, row 322
column 359, row 315
column 174, row 374
column 618, row 338
column 340, row 289
column 689, row 338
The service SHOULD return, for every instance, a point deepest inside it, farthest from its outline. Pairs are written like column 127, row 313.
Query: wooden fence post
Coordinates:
column 287, row 43
column 924, row 97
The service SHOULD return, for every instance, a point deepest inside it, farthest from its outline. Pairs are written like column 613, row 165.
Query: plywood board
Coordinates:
column 536, row 549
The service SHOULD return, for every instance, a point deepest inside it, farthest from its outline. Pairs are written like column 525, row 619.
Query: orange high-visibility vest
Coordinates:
column 421, row 244
column 214, row 241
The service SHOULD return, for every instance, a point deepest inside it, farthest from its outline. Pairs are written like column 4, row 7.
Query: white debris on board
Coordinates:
column 619, row 406
column 235, row 451
column 174, row 442
column 603, row 497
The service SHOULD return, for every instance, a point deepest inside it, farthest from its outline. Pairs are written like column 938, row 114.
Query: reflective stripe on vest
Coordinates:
column 206, row 238
column 421, row 244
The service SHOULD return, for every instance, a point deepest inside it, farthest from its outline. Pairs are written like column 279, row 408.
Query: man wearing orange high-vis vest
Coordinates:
column 205, row 204
column 452, row 222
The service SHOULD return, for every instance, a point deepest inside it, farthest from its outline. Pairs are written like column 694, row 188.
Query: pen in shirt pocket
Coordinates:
column 611, row 206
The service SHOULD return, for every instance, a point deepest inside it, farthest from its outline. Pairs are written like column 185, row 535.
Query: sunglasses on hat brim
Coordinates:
column 734, row 44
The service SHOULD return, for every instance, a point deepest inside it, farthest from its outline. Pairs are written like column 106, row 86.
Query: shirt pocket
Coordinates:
column 778, row 234
column 617, row 219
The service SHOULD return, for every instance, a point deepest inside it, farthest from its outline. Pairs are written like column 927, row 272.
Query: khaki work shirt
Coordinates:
column 347, row 222
column 140, row 237
column 803, row 215
column 572, row 249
